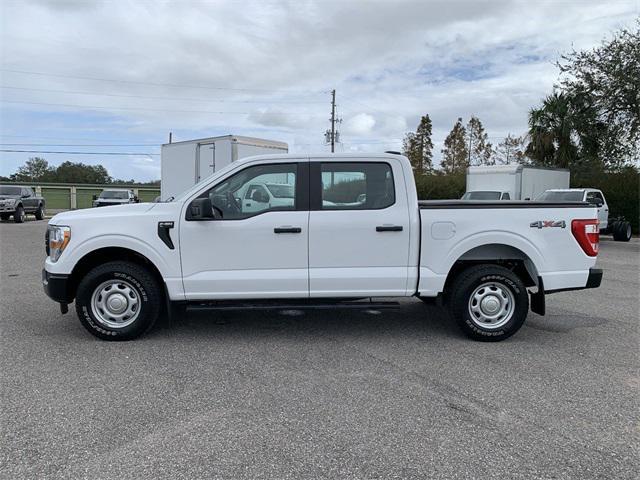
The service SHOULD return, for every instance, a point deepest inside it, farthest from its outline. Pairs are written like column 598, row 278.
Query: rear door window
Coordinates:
column 356, row 186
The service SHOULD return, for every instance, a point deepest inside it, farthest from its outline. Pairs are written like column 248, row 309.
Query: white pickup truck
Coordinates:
column 352, row 233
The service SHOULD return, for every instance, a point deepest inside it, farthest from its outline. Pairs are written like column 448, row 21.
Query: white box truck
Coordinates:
column 512, row 182
column 183, row 164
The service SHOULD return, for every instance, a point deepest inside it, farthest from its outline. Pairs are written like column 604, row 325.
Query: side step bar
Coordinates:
column 311, row 305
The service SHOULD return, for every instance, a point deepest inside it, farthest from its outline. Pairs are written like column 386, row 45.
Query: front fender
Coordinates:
column 69, row 259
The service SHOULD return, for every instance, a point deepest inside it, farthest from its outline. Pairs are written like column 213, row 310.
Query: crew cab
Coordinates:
column 17, row 202
column 351, row 234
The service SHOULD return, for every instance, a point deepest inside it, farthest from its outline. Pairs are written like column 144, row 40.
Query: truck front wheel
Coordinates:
column 118, row 301
column 18, row 215
column 489, row 302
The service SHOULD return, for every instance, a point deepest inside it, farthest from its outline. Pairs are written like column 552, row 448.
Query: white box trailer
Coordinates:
column 512, row 182
column 183, row 164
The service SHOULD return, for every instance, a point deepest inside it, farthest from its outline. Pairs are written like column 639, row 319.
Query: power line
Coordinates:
column 91, row 107
column 136, row 82
column 80, row 153
column 79, row 144
column 63, row 138
column 193, row 99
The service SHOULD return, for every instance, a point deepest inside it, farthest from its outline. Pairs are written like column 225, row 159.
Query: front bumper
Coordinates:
column 57, row 287
column 7, row 209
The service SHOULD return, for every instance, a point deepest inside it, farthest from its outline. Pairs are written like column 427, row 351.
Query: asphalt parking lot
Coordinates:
column 332, row 394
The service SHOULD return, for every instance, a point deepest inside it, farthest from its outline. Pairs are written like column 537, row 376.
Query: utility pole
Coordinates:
column 333, row 120
column 332, row 136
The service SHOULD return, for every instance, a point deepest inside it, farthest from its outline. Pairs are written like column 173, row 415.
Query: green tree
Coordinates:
column 70, row 172
column 455, row 155
column 552, row 130
column 510, row 150
column 479, row 147
column 418, row 146
column 606, row 81
column 34, row 169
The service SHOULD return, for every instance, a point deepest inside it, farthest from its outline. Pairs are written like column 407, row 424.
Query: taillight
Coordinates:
column 587, row 234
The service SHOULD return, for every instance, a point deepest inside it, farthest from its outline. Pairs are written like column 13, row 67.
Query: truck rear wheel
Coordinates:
column 118, row 301
column 622, row 232
column 40, row 213
column 489, row 302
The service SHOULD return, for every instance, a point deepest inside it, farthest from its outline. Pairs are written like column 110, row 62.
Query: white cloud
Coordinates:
column 265, row 68
column 359, row 125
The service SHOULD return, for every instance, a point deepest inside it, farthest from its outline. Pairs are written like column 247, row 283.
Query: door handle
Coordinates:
column 389, row 228
column 287, row 230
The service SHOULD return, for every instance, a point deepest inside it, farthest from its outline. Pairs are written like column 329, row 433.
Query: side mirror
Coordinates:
column 202, row 209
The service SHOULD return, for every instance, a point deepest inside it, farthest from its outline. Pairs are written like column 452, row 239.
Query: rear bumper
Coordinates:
column 594, row 279
column 56, row 287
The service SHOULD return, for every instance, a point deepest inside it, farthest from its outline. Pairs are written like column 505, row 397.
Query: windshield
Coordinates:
column 114, row 194
column 10, row 190
column 281, row 191
column 555, row 196
column 481, row 196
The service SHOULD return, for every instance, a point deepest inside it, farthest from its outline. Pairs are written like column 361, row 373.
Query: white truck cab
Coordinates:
column 343, row 230
column 590, row 195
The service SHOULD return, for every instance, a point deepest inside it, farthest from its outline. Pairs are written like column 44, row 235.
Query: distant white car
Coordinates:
column 115, row 196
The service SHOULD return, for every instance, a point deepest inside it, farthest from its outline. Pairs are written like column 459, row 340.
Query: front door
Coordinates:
column 358, row 229
column 252, row 252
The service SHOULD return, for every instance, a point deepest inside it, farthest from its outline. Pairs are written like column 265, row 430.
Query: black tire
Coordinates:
column 138, row 280
column 622, row 232
column 18, row 215
column 510, row 293
column 5, row 216
column 40, row 212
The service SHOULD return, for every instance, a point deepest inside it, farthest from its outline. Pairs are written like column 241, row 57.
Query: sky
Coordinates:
column 109, row 76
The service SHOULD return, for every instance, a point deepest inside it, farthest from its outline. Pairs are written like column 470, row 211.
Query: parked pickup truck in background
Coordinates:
column 618, row 227
column 115, row 196
column 17, row 202
column 353, row 233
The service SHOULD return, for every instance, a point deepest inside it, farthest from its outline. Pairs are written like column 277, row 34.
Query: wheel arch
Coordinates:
column 103, row 255
column 502, row 254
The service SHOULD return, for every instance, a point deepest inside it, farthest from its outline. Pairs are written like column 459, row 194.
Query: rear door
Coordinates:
column 206, row 160
column 28, row 199
column 358, row 229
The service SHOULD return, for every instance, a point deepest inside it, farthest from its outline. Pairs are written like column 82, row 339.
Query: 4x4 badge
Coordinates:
column 548, row 223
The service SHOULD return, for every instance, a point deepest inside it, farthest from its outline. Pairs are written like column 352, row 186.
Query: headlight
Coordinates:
column 58, row 240
column 9, row 202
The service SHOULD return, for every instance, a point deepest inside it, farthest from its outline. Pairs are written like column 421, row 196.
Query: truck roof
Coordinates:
column 237, row 139
column 512, row 168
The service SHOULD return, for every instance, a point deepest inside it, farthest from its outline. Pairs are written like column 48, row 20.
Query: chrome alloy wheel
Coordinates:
column 491, row 305
column 115, row 303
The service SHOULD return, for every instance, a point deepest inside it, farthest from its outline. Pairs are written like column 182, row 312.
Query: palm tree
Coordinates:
column 553, row 132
